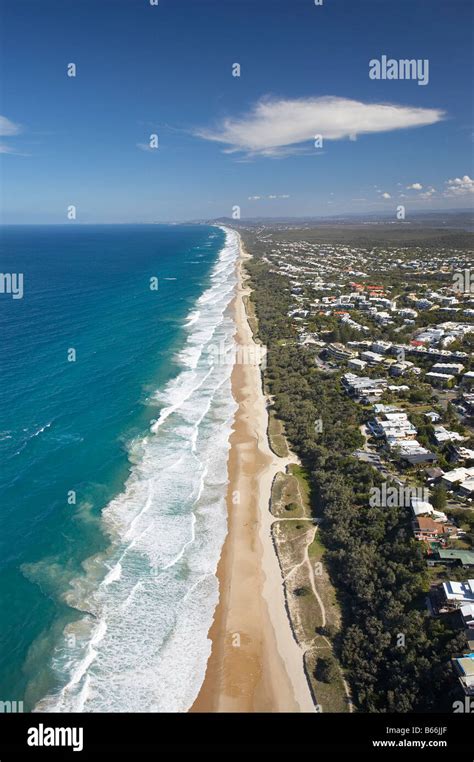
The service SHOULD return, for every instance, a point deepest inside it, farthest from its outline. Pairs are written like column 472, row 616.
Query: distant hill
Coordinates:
column 459, row 219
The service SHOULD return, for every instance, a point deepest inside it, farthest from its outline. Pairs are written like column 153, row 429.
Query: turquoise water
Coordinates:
column 113, row 466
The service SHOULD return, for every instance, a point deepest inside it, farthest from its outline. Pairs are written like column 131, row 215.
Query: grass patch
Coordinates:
column 329, row 695
column 305, row 610
column 316, row 548
column 286, row 500
column 276, row 436
column 304, row 487
column 291, row 538
column 251, row 315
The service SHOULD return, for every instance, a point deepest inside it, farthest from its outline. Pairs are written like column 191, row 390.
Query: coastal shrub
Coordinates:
column 300, row 591
column 326, row 670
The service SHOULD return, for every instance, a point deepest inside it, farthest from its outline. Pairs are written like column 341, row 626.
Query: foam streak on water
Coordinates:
column 144, row 644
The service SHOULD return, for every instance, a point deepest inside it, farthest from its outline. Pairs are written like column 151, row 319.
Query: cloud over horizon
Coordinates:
column 277, row 127
column 7, row 127
column 459, row 186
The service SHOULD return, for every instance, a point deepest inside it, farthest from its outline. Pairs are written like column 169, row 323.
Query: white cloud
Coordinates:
column 415, row 186
column 8, row 128
column 6, row 149
column 386, row 195
column 271, row 196
column 428, row 193
column 459, row 186
column 276, row 127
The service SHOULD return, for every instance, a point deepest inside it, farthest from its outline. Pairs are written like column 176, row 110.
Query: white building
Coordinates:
column 382, row 347
column 371, row 357
column 439, row 379
column 443, row 435
column 356, row 364
column 459, row 592
column 457, row 476
column 448, row 368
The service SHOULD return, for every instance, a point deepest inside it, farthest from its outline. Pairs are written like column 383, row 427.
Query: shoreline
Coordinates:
column 255, row 663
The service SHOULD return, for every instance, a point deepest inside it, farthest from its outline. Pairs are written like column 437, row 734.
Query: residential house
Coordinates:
column 439, row 379
column 356, row 364
column 453, row 479
column 464, row 669
column 340, row 352
column 442, row 435
column 467, row 614
column 448, row 368
column 452, row 557
column 428, row 530
column 456, row 594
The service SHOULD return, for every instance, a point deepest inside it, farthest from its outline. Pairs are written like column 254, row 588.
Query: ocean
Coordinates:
column 114, row 428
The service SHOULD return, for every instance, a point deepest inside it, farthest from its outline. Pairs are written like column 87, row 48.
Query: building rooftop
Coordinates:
column 459, row 591
column 465, row 556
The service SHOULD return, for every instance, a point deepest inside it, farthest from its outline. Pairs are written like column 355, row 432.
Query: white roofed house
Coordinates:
column 468, row 378
column 413, row 452
column 373, row 358
column 362, row 386
column 453, row 479
column 383, row 318
column 382, row 347
column 448, row 368
column 356, row 364
column 421, row 507
column 456, row 594
column 396, row 426
column 399, row 368
column 463, row 454
column 466, row 488
column 440, row 379
column 442, row 435
column 433, row 416
column 464, row 668
column 407, row 312
column 467, row 613
column 430, row 335
column 340, row 352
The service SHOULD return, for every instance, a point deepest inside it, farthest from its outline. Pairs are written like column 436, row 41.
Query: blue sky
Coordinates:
column 225, row 140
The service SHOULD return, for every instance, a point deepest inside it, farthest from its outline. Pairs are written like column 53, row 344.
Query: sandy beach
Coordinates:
column 255, row 663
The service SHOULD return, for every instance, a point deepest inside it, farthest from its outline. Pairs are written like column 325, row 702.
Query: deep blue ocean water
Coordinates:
column 83, row 427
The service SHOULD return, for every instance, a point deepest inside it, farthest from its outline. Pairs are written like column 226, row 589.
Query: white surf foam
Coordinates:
column 146, row 646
